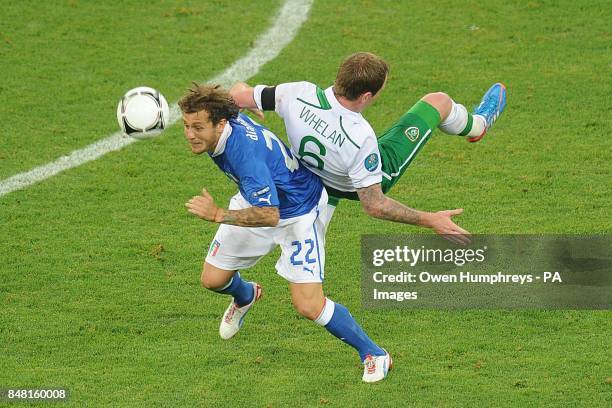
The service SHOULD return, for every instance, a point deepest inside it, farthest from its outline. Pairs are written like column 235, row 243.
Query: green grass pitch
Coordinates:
column 99, row 266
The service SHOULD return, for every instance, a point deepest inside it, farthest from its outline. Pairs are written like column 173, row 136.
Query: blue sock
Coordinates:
column 241, row 290
column 339, row 322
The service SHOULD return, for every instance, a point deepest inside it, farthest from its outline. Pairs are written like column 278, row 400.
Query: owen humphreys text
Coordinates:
column 423, row 258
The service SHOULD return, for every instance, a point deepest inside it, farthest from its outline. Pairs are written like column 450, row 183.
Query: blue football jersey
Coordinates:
column 266, row 172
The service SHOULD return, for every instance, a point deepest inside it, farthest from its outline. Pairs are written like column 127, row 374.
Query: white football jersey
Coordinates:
column 335, row 143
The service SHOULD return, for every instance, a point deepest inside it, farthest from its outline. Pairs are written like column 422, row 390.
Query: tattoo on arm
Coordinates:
column 398, row 212
column 378, row 205
column 250, row 217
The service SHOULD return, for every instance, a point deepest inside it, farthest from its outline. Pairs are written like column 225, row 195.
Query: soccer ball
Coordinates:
column 143, row 112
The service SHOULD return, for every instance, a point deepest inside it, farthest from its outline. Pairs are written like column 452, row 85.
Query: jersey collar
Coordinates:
column 337, row 106
column 220, row 148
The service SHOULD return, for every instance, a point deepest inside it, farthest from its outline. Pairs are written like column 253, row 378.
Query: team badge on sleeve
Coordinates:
column 264, row 190
column 371, row 162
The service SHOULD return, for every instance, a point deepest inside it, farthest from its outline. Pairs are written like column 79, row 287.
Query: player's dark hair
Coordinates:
column 211, row 98
column 360, row 73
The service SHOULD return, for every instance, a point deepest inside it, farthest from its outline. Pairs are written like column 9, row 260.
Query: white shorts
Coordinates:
column 302, row 242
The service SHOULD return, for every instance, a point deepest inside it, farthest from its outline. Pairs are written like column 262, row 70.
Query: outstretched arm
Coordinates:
column 204, row 207
column 242, row 94
column 377, row 205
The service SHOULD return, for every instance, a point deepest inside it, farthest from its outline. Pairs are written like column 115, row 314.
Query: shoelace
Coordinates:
column 370, row 363
column 230, row 315
column 488, row 111
column 488, row 105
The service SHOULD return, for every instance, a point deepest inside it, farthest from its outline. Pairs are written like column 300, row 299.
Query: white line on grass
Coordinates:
column 287, row 22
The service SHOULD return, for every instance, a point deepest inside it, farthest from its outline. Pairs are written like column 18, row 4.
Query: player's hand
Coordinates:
column 441, row 222
column 203, row 206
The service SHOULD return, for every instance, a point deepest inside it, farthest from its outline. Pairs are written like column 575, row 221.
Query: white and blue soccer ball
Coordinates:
column 143, row 112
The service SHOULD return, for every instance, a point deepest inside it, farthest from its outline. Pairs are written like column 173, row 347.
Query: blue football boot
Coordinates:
column 490, row 108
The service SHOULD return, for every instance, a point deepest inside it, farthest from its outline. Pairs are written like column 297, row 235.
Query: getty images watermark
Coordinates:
column 493, row 272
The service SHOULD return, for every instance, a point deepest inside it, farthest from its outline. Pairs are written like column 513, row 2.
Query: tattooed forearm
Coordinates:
column 249, row 217
column 394, row 211
column 377, row 205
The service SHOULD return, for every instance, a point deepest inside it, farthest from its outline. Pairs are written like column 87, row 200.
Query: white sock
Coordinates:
column 327, row 312
column 460, row 122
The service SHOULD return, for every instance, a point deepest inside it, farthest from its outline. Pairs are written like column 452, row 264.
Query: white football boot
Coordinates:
column 234, row 315
column 375, row 368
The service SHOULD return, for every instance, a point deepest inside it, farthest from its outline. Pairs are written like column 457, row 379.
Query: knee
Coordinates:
column 211, row 280
column 206, row 279
column 441, row 102
column 310, row 309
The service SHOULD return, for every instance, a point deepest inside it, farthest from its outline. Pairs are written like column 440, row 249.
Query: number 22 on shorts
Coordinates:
column 308, row 246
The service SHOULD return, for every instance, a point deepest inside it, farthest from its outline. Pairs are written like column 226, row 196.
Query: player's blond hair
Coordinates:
column 211, row 98
column 360, row 73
